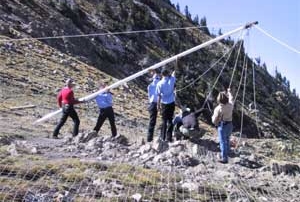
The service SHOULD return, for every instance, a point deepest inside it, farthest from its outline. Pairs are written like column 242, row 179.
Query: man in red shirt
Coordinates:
column 66, row 100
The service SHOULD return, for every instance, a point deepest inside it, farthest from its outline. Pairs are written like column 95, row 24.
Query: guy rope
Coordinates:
column 155, row 66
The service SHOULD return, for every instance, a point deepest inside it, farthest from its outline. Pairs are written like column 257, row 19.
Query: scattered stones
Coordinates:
column 190, row 186
column 160, row 145
column 249, row 164
column 85, row 137
column 12, row 150
column 285, row 168
column 21, row 147
column 5, row 140
column 137, row 197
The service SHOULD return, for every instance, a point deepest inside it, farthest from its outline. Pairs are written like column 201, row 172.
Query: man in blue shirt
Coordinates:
column 152, row 96
column 166, row 103
column 105, row 101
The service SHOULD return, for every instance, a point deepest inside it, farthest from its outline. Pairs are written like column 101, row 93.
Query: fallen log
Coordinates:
column 22, row 107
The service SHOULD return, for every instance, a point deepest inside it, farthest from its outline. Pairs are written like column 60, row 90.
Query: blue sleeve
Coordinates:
column 110, row 98
column 98, row 100
column 148, row 90
column 176, row 120
column 173, row 79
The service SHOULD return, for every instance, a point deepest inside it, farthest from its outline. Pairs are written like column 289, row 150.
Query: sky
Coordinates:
column 280, row 18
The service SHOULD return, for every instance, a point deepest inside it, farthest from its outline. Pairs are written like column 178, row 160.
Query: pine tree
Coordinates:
column 203, row 25
column 196, row 20
column 264, row 66
column 288, row 84
column 178, row 7
column 278, row 76
column 258, row 60
column 284, row 81
column 220, row 32
column 187, row 13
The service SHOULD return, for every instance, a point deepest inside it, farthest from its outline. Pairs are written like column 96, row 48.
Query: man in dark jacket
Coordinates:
column 190, row 127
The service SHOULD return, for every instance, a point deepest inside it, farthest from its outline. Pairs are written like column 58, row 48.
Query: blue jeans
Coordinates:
column 224, row 131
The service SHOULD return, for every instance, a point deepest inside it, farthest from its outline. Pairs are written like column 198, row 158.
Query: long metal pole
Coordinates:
column 157, row 65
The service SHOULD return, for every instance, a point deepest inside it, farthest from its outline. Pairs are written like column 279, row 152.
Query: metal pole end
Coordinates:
column 250, row 24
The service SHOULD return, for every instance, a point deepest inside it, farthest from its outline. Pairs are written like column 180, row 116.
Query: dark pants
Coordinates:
column 176, row 131
column 106, row 113
column 167, row 113
column 152, row 122
column 68, row 110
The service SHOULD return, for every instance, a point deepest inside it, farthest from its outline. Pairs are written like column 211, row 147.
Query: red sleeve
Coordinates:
column 59, row 99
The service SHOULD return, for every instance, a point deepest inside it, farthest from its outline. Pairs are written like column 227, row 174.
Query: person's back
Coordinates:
column 223, row 112
column 190, row 121
column 222, row 118
column 166, row 89
column 104, row 101
column 152, row 94
column 190, row 126
column 166, row 103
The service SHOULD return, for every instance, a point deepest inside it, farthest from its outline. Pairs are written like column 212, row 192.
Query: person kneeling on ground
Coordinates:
column 190, row 127
column 177, row 122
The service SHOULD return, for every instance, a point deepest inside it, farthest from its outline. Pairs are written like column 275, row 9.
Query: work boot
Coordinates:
column 54, row 136
column 223, row 161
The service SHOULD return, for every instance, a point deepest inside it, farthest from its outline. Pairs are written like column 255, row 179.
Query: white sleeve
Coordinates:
column 230, row 98
column 216, row 116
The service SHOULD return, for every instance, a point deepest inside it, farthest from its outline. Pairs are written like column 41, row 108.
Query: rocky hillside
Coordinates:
column 99, row 168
